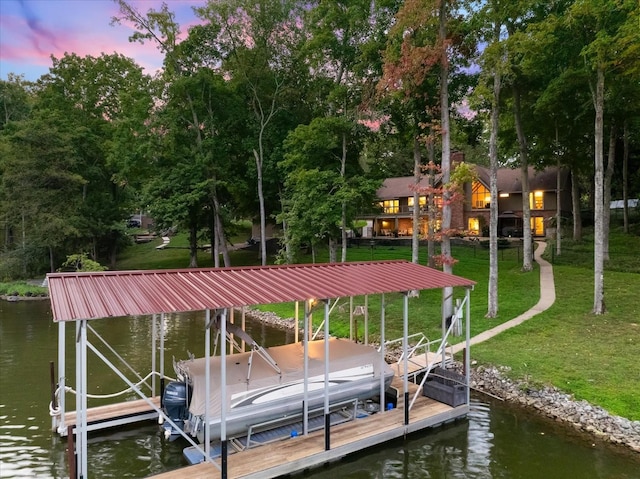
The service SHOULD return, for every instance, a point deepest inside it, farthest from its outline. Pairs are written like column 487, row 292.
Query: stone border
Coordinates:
column 557, row 405
column 548, row 401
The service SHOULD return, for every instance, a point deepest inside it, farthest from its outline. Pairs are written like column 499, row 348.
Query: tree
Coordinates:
column 317, row 151
column 256, row 40
column 609, row 42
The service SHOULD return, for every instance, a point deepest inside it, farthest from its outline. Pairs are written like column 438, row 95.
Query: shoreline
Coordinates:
column 551, row 402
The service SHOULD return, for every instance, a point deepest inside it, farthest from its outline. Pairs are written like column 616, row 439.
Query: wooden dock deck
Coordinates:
column 418, row 363
column 113, row 415
column 302, row 452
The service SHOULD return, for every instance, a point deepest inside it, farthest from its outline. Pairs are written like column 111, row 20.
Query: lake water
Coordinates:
column 495, row 441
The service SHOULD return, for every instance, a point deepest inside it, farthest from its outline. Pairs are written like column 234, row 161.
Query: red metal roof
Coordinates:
column 120, row 293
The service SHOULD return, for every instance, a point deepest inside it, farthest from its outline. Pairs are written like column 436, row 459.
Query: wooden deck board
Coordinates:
column 306, row 451
column 113, row 411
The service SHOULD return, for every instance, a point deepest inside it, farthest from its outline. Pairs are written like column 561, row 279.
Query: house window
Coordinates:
column 390, row 206
column 423, row 202
column 536, row 200
column 474, row 226
column 480, row 196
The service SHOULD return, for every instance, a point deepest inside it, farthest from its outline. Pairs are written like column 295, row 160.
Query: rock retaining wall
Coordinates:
column 559, row 406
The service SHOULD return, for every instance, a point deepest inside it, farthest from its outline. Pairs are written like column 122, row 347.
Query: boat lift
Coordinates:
column 81, row 297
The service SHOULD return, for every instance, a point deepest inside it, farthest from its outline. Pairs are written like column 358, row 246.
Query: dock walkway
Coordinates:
column 295, row 454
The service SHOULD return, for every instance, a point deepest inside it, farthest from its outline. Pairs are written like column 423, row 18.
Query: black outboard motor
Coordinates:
column 176, row 405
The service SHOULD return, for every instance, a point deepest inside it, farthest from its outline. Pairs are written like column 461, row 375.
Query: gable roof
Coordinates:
column 121, row 293
column 509, row 181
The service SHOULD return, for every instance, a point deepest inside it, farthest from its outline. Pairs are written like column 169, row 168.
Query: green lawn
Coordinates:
column 595, row 358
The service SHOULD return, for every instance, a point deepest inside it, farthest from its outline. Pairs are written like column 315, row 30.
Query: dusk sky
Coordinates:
column 33, row 30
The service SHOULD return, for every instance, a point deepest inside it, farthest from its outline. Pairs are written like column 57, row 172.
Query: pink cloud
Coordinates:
column 33, row 30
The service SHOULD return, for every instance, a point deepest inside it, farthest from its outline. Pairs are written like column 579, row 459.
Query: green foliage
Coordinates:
column 81, row 263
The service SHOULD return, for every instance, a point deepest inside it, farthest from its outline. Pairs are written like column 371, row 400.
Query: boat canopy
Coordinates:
column 77, row 296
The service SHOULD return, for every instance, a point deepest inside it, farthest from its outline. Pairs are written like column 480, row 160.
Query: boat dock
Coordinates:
column 80, row 298
column 292, row 455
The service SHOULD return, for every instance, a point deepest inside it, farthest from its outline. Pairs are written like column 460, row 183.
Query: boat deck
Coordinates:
column 113, row 415
column 302, row 452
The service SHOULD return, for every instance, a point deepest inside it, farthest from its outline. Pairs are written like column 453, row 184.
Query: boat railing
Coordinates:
column 420, row 352
column 348, row 407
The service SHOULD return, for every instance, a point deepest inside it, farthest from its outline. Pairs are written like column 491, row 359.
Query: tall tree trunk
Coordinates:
column 333, row 255
column 598, row 250
column 524, row 166
column 193, row 244
column 625, row 176
column 431, row 205
column 558, row 198
column 343, row 171
column 606, row 217
column 263, row 222
column 447, row 306
column 417, row 175
column 492, row 303
column 575, row 206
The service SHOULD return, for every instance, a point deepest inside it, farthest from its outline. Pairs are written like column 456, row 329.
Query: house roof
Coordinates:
column 401, row 187
column 121, row 293
column 509, row 181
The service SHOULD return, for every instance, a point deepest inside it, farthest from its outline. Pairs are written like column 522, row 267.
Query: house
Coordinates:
column 395, row 216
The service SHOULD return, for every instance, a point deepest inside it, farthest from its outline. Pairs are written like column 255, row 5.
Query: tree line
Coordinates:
column 294, row 112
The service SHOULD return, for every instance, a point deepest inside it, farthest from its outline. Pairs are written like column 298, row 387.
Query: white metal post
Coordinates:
column 382, row 354
column 327, row 417
column 366, row 319
column 162, row 351
column 154, row 351
column 405, row 354
column 81, row 399
column 305, row 354
column 297, row 325
column 207, row 381
column 223, row 393
column 467, row 352
column 61, row 375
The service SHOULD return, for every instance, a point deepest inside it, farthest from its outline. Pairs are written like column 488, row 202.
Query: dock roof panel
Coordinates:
column 108, row 294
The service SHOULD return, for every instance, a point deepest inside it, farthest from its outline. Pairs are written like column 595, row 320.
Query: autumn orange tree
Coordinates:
column 425, row 41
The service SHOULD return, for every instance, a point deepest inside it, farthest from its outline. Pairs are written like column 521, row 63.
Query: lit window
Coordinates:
column 474, row 226
column 536, row 200
column 390, row 206
column 423, row 201
column 480, row 196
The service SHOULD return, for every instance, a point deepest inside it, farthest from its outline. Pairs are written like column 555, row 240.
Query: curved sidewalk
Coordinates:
column 547, row 298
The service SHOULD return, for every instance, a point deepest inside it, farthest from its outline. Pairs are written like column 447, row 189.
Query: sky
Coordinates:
column 33, row 30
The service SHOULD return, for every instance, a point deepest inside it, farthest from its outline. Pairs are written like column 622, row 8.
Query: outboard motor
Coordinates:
column 176, row 405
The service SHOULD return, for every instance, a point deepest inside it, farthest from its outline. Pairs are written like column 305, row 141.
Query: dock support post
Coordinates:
column 81, row 398
column 405, row 353
column 154, row 352
column 327, row 417
column 305, row 342
column 71, row 453
column 382, row 354
column 223, row 452
column 61, row 373
column 223, row 392
column 54, row 403
column 207, row 386
column 467, row 352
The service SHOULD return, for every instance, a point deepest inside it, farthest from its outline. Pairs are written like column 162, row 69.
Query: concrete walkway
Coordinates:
column 547, row 298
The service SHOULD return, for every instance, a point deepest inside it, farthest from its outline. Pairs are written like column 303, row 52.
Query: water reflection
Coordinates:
column 494, row 442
